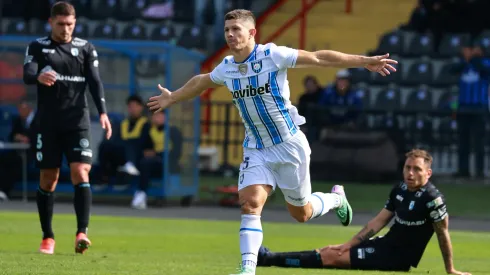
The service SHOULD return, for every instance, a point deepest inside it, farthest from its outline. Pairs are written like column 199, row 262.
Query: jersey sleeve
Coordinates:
column 31, row 67
column 284, row 57
column 436, row 207
column 217, row 75
column 390, row 205
column 93, row 77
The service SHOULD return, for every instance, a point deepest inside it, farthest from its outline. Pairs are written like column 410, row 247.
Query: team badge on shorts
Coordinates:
column 370, row 250
column 243, row 68
column 84, row 143
column 74, row 51
column 257, row 66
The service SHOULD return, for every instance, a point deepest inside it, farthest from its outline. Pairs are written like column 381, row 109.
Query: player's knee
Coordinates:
column 79, row 172
column 331, row 258
column 251, row 206
column 48, row 179
column 253, row 198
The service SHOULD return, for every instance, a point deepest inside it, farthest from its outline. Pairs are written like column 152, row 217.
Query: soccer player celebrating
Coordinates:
column 419, row 209
column 276, row 152
column 61, row 66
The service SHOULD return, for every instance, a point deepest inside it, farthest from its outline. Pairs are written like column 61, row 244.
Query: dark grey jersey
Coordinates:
column 415, row 212
column 64, row 105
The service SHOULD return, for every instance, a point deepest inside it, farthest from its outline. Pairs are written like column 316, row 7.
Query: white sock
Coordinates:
column 250, row 239
column 323, row 202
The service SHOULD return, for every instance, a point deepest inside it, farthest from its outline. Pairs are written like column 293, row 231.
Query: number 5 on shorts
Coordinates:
column 39, row 144
column 245, row 163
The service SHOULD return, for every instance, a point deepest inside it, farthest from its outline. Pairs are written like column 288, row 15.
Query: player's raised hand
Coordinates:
column 106, row 125
column 47, row 78
column 381, row 64
column 160, row 102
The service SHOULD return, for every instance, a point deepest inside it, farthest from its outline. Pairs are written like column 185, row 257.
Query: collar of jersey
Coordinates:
column 248, row 57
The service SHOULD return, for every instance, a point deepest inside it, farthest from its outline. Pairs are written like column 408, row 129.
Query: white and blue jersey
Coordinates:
column 260, row 91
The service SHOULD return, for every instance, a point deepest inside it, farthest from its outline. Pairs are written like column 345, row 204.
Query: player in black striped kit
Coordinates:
column 419, row 210
column 61, row 66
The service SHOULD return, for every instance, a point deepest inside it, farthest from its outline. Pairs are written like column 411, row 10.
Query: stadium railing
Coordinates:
column 130, row 67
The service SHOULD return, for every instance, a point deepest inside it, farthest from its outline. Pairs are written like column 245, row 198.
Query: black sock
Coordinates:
column 302, row 259
column 82, row 202
column 45, row 203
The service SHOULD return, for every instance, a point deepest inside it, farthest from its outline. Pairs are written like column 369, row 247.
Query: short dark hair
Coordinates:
column 419, row 153
column 240, row 14
column 134, row 98
column 63, row 9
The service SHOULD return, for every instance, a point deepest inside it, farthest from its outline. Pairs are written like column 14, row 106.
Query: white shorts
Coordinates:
column 286, row 165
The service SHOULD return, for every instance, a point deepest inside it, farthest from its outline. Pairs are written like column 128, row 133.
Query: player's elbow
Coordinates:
column 378, row 223
column 315, row 59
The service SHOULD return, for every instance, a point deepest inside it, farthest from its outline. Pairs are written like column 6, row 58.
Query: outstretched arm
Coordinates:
column 372, row 227
column 193, row 88
column 328, row 58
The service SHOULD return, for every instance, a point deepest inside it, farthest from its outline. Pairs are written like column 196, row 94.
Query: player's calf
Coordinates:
column 45, row 205
column 313, row 206
column 300, row 259
column 252, row 200
column 324, row 258
column 82, row 200
column 300, row 213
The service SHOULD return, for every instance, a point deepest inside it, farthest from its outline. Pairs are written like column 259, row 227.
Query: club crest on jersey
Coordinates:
column 243, row 68
column 412, row 204
column 257, row 66
column 74, row 51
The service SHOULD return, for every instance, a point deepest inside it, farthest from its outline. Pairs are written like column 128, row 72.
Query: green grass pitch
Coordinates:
column 125, row 245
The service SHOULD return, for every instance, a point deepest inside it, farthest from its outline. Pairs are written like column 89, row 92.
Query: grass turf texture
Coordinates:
column 463, row 200
column 124, row 245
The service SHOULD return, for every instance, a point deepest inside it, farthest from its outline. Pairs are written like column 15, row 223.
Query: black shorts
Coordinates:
column 376, row 254
column 50, row 146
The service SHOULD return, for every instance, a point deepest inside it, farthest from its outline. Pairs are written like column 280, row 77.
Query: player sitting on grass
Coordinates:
column 419, row 209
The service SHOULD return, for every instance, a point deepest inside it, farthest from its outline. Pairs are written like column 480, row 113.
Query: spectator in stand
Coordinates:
column 153, row 156
column 311, row 97
column 344, row 105
column 124, row 150
column 472, row 108
column 23, row 131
